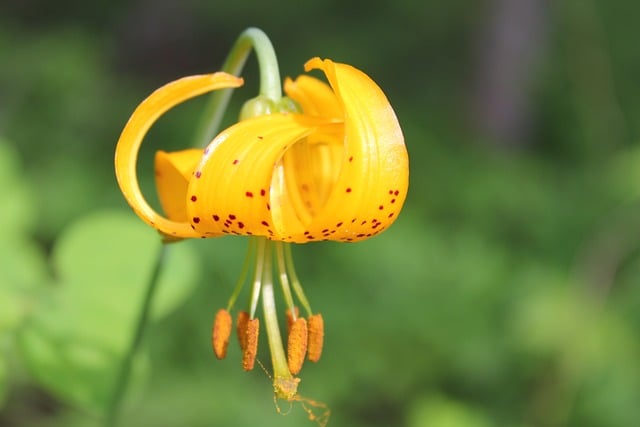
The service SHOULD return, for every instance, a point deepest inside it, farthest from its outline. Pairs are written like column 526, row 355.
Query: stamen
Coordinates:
column 241, row 329
column 261, row 246
column 316, row 337
column 291, row 272
column 297, row 345
column 251, row 347
column 221, row 332
column 246, row 266
column 291, row 317
column 284, row 279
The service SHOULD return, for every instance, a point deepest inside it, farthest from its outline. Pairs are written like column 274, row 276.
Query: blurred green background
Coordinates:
column 506, row 294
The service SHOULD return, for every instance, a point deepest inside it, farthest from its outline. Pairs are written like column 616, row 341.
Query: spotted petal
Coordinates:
column 132, row 136
column 371, row 185
column 296, row 178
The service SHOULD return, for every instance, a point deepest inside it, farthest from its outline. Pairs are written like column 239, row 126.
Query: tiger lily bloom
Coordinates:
column 336, row 168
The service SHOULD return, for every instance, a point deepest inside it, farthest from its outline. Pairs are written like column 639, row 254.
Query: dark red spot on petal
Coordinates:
column 265, row 223
column 338, row 224
column 260, row 137
column 393, row 200
column 395, row 193
column 198, row 174
column 390, row 215
column 348, row 190
column 263, row 192
column 380, row 207
column 240, row 224
column 248, row 194
column 196, row 219
column 268, row 207
column 194, row 198
column 235, row 162
column 351, row 158
column 215, row 217
column 232, row 217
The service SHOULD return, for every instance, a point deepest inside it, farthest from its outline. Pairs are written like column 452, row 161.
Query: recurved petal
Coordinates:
column 314, row 96
column 235, row 188
column 133, row 134
column 374, row 177
column 172, row 172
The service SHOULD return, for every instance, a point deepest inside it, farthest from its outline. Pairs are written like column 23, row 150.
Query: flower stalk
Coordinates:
column 119, row 390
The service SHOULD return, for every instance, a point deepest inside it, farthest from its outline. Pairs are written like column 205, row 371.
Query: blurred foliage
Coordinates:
column 507, row 293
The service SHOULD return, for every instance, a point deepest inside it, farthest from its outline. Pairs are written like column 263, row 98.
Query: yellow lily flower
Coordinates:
column 337, row 170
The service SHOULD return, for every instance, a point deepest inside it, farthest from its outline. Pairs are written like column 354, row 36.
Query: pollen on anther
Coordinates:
column 291, row 317
column 220, row 333
column 241, row 328
column 315, row 326
column 251, row 348
column 297, row 345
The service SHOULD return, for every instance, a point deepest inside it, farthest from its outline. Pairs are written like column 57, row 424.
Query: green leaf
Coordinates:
column 77, row 339
column 438, row 411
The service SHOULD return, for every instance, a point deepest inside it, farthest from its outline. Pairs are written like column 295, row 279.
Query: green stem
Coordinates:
column 113, row 409
column 269, row 80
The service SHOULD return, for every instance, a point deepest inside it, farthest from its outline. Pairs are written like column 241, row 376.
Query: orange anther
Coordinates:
column 316, row 337
column 221, row 332
column 251, row 347
column 297, row 345
column 291, row 318
column 241, row 329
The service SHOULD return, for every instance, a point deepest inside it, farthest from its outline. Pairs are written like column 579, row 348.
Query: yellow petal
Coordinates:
column 314, row 96
column 374, row 176
column 233, row 191
column 132, row 136
column 172, row 172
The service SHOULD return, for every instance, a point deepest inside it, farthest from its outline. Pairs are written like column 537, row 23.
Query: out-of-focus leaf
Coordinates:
column 76, row 341
column 17, row 211
column 438, row 411
column 4, row 382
